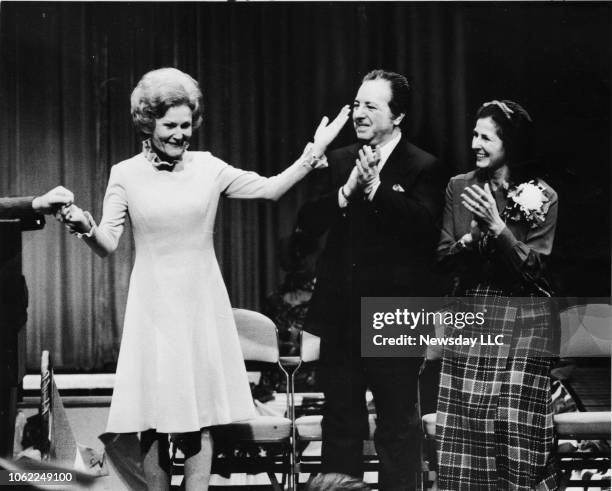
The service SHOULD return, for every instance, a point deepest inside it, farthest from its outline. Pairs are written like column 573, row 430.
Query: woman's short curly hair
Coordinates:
column 514, row 127
column 158, row 91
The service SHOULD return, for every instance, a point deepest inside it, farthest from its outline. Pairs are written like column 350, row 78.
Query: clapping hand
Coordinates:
column 482, row 204
column 326, row 133
column 365, row 173
column 52, row 200
column 470, row 239
column 367, row 164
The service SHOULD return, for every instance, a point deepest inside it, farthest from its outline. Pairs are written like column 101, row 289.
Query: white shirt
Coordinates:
column 385, row 151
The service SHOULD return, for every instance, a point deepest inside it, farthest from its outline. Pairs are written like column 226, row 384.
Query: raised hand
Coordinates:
column 367, row 163
column 52, row 200
column 482, row 204
column 326, row 133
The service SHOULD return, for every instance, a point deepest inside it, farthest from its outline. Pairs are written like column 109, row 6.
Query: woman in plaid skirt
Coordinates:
column 494, row 426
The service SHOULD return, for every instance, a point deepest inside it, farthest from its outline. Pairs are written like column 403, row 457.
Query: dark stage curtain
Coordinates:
column 268, row 73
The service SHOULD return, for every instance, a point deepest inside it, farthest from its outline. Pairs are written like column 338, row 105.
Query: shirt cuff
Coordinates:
column 92, row 223
column 342, row 201
column 31, row 199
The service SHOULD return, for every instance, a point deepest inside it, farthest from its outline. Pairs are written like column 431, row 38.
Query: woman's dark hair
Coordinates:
column 158, row 91
column 514, row 127
column 400, row 89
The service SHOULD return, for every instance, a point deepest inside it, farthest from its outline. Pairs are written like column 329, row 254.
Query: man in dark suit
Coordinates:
column 380, row 203
column 33, row 207
column 14, row 295
column 30, row 211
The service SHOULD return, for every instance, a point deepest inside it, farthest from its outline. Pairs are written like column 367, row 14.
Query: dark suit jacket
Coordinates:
column 13, row 291
column 21, row 208
column 385, row 247
column 514, row 262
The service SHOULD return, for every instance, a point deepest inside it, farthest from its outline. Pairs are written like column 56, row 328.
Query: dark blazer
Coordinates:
column 515, row 261
column 13, row 291
column 21, row 207
column 383, row 247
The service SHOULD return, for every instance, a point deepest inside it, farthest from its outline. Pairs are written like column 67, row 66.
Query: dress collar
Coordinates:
column 151, row 156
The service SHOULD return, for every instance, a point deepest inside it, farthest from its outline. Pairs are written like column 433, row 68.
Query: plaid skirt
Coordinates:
column 494, row 426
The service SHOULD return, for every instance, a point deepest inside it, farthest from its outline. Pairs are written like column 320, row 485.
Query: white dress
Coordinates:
column 180, row 366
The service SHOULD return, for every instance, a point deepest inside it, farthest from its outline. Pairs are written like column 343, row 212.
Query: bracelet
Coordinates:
column 92, row 224
column 313, row 160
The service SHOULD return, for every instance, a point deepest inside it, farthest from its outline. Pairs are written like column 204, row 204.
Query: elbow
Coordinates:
column 102, row 253
column 102, row 250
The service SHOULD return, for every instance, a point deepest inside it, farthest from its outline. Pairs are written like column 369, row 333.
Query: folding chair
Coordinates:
column 433, row 354
column 259, row 343
column 289, row 366
column 585, row 331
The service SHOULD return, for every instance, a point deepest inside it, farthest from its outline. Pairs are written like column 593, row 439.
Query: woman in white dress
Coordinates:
column 180, row 367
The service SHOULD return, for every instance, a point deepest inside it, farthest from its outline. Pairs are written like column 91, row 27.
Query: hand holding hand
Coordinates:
column 367, row 163
column 326, row 133
column 52, row 200
column 74, row 218
column 482, row 204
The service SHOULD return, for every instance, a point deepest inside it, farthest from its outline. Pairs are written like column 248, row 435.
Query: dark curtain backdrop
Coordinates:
column 269, row 72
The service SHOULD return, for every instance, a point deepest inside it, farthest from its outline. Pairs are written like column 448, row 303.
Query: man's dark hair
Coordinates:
column 400, row 89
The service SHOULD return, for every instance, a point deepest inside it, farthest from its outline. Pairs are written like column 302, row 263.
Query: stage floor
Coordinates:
column 87, row 413
column 86, row 398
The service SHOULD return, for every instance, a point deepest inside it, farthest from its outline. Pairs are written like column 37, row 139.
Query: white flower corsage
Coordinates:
column 527, row 202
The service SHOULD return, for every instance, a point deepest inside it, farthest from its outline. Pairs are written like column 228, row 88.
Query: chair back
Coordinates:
column 258, row 336
column 586, row 331
column 310, row 347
